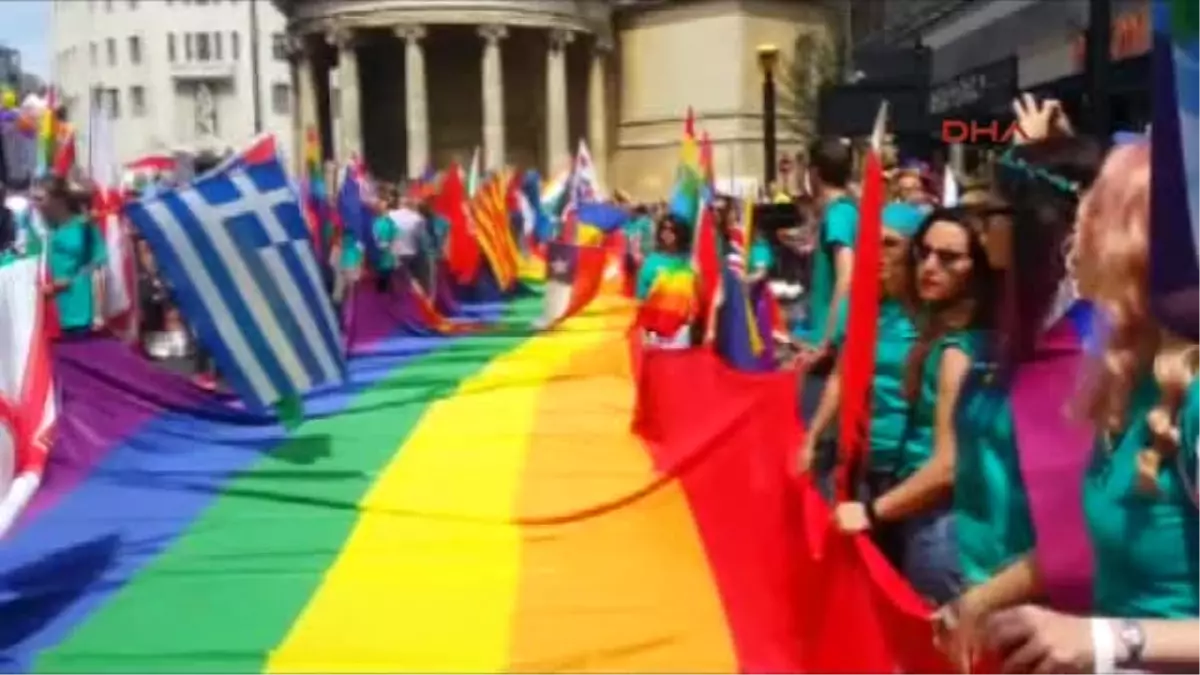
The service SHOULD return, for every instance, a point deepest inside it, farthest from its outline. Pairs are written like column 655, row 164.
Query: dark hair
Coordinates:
column 982, row 288
column 831, row 158
column 60, row 188
column 1041, row 183
column 205, row 162
column 675, row 223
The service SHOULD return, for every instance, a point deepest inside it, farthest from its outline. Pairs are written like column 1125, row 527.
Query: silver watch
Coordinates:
column 1133, row 638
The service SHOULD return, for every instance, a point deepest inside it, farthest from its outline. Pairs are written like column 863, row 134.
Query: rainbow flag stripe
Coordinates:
column 470, row 503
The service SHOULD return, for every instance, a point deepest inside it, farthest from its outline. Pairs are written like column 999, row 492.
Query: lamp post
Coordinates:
column 768, row 59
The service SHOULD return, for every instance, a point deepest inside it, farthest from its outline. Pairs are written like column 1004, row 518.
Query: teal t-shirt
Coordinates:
column 761, row 257
column 889, row 408
column 384, row 229
column 918, row 441
column 839, row 227
column 991, row 509
column 1145, row 546
column 652, row 266
column 641, row 230
column 352, row 252
column 76, row 250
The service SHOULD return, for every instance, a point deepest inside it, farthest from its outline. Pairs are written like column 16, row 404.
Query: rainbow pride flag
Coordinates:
column 471, row 503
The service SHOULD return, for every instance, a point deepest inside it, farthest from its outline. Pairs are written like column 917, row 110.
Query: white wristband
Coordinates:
column 1104, row 646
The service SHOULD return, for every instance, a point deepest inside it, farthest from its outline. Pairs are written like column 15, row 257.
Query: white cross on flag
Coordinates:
column 235, row 247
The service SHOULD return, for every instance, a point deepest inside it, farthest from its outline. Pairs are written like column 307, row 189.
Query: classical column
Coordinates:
column 598, row 107
column 416, row 99
column 350, row 112
column 493, row 96
column 557, row 145
column 304, row 100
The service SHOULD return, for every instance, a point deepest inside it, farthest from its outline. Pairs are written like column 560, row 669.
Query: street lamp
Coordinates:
column 768, row 59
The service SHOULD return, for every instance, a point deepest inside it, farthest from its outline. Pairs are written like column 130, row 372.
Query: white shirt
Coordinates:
column 408, row 232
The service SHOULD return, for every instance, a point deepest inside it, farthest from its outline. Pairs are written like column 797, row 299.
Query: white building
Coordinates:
column 176, row 74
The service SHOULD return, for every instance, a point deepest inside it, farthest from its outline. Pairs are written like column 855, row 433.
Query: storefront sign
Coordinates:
column 989, row 87
column 1131, row 36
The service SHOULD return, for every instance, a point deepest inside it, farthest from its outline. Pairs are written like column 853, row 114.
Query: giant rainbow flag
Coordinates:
column 468, row 503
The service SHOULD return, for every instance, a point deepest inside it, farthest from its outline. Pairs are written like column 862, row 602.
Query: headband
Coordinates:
column 1011, row 161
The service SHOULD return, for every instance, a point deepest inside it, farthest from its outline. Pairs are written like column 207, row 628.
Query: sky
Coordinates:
column 25, row 26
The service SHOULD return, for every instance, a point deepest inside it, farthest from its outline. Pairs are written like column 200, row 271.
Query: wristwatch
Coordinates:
column 1133, row 638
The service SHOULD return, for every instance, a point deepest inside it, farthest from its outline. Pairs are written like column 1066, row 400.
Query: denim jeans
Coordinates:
column 931, row 555
column 923, row 547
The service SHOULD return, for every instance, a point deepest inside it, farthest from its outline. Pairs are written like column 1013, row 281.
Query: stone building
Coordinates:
column 411, row 84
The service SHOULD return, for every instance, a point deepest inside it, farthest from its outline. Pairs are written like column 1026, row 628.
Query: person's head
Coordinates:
column 1111, row 260
column 1037, row 189
column 950, row 268
column 900, row 222
column 950, row 282
column 669, row 234
column 910, row 188
column 54, row 199
column 830, row 164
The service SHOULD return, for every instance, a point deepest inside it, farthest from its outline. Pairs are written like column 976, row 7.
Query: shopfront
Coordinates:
column 1055, row 69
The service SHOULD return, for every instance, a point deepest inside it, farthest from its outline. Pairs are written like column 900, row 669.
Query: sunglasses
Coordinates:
column 944, row 256
column 892, row 243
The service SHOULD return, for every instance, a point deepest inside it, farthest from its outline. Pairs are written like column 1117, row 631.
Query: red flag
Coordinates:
column 858, row 362
column 706, row 162
column 463, row 255
column 706, row 259
column 689, row 123
column 574, row 275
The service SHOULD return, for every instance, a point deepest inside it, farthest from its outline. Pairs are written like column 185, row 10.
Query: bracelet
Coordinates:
column 869, row 507
column 1104, row 646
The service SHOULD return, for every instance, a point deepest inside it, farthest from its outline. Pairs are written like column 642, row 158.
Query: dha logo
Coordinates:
column 972, row 132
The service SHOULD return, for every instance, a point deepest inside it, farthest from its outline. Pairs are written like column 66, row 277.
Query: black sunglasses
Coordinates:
column 944, row 256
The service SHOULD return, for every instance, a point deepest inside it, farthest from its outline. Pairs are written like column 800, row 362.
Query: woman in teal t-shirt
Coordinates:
column 954, row 284
column 1139, row 492
column 75, row 251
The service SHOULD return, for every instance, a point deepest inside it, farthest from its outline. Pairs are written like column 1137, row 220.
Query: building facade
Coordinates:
column 413, row 84
column 175, row 75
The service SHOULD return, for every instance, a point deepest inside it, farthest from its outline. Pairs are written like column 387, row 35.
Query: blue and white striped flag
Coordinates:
column 236, row 249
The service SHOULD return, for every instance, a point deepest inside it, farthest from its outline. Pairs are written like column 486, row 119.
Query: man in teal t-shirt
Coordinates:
column 830, row 166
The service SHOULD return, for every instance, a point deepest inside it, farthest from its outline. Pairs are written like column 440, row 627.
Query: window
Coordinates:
column 235, row 45
column 93, row 54
column 203, row 47
column 111, row 47
column 171, row 47
column 188, row 43
column 135, row 49
column 97, row 97
column 114, row 102
column 216, row 46
column 279, row 46
column 133, row 4
column 108, row 5
column 137, row 101
column 281, row 98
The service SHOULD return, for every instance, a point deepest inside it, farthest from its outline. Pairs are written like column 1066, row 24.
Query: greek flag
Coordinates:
column 235, row 248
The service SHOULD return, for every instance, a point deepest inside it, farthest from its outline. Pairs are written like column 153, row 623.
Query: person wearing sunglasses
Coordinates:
column 953, row 287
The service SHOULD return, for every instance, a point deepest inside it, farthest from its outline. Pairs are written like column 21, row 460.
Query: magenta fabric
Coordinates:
column 1054, row 453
